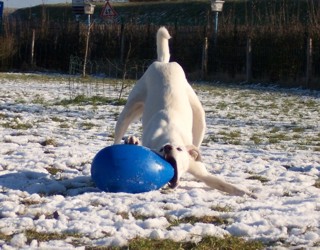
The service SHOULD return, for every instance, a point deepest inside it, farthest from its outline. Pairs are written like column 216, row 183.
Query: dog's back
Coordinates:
column 167, row 96
column 167, row 103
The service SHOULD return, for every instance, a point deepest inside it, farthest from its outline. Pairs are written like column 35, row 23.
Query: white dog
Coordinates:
column 172, row 117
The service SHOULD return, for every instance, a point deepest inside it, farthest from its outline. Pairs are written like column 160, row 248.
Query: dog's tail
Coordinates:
column 163, row 52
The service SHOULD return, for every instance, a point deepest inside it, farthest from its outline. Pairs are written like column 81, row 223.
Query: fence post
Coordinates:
column 122, row 37
column 249, row 60
column 309, row 61
column 32, row 47
column 204, row 64
column 204, row 59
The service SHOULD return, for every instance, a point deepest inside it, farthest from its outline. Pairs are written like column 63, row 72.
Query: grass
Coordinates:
column 228, row 137
column 222, row 209
column 17, row 125
column 207, row 219
column 34, row 77
column 317, row 183
column 49, row 141
column 5, row 237
column 87, row 125
column 38, row 100
column 57, row 119
column 256, row 138
column 29, row 202
column 260, row 178
column 43, row 236
column 53, row 170
column 94, row 100
column 206, row 243
column 276, row 138
column 290, row 135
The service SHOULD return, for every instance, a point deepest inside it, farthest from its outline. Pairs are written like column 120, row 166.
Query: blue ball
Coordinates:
column 130, row 169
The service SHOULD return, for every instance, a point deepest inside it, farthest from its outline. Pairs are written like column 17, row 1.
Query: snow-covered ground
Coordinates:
column 264, row 139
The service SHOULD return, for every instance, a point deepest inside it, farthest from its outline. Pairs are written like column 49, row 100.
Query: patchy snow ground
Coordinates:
column 264, row 139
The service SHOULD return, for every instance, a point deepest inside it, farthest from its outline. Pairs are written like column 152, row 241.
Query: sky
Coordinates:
column 29, row 3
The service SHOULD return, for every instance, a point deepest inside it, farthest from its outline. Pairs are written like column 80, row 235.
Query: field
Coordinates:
column 264, row 139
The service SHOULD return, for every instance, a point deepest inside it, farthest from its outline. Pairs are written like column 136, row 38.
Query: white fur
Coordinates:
column 173, row 119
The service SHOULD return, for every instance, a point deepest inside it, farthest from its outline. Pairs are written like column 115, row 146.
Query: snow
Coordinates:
column 46, row 187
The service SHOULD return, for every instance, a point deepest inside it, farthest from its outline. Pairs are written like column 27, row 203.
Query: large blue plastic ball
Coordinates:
column 130, row 169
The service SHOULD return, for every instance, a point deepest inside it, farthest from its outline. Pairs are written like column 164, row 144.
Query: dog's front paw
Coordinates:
column 131, row 140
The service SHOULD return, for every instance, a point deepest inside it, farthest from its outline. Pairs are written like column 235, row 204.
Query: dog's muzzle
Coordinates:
column 173, row 183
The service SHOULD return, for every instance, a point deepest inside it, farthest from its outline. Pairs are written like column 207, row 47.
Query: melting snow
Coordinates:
column 264, row 139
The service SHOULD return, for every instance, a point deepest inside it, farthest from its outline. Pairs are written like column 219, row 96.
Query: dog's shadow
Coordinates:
column 41, row 183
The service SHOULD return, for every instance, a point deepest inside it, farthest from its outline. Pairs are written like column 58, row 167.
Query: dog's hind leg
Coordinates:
column 199, row 121
column 200, row 172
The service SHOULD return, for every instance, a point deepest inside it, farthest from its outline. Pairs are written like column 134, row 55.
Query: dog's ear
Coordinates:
column 194, row 152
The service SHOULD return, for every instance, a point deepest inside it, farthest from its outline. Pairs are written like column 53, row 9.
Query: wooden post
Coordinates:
column 309, row 61
column 86, row 49
column 122, row 43
column 32, row 47
column 204, row 64
column 249, row 60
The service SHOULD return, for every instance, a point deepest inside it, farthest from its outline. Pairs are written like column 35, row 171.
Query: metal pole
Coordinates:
column 87, row 48
column 216, row 27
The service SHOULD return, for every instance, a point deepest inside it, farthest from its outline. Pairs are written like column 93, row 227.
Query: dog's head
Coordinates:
column 179, row 157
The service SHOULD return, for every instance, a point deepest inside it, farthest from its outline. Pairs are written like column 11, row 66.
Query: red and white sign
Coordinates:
column 108, row 11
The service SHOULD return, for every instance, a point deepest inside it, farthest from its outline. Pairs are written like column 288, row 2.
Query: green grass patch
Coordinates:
column 124, row 215
column 223, row 209
column 38, row 100
column 228, row 137
column 29, row 202
column 5, row 237
column 256, row 138
column 53, row 170
column 34, row 77
column 65, row 125
column 31, row 234
column 207, row 243
column 93, row 100
column 49, row 141
column 3, row 116
column 311, row 103
column 87, row 125
column 139, row 216
column 298, row 129
column 260, row 178
column 207, row 219
column 222, row 105
column 17, row 125
column 57, row 119
column 277, row 137
column 43, row 236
